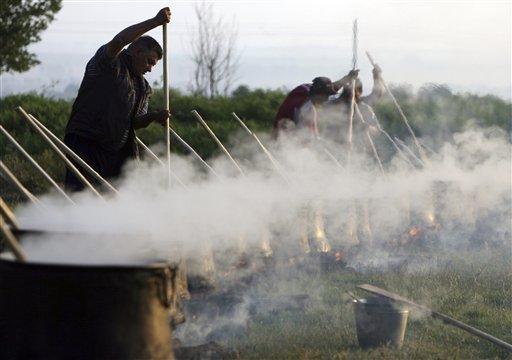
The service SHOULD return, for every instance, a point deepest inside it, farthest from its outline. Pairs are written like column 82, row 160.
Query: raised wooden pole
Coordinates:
column 437, row 315
column 166, row 102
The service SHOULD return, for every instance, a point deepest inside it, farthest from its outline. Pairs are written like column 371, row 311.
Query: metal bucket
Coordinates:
column 379, row 322
column 52, row 311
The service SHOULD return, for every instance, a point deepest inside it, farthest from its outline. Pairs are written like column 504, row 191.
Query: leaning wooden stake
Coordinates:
column 75, row 157
column 271, row 157
column 35, row 164
column 192, row 151
column 383, row 293
column 30, row 197
column 370, row 139
column 8, row 215
column 166, row 102
column 157, row 159
column 216, row 139
column 12, row 242
column 69, row 164
column 409, row 151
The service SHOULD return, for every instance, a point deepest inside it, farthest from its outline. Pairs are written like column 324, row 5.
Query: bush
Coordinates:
column 434, row 111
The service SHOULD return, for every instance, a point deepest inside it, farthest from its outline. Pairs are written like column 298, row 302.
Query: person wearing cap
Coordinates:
column 299, row 108
column 299, row 112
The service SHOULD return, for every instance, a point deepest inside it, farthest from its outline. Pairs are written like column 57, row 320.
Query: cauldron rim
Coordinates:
column 151, row 266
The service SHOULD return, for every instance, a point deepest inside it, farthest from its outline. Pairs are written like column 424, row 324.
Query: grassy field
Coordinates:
column 474, row 288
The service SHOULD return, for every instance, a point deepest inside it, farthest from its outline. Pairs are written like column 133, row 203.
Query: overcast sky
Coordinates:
column 465, row 44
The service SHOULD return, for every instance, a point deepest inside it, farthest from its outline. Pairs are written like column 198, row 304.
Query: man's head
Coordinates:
column 145, row 52
column 346, row 94
column 321, row 89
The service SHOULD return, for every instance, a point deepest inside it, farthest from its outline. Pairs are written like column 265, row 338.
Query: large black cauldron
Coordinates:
column 85, row 312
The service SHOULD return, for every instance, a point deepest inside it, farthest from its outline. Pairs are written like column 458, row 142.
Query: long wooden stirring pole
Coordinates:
column 69, row 164
column 30, row 197
column 353, row 97
column 216, row 139
column 166, row 102
column 35, row 164
column 75, row 157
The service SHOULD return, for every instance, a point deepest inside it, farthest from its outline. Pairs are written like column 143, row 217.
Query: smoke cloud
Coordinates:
column 463, row 190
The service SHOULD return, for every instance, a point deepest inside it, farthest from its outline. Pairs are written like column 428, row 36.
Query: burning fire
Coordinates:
column 415, row 231
column 323, row 244
column 430, row 217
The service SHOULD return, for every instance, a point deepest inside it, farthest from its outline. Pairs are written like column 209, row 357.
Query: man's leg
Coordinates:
column 87, row 151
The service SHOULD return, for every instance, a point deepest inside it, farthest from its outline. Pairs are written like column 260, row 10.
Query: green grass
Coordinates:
column 474, row 288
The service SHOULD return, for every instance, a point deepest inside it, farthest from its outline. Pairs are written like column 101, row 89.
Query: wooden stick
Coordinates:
column 30, row 197
column 69, row 164
column 216, row 139
column 448, row 320
column 409, row 151
column 146, row 148
column 7, row 213
column 157, row 159
column 273, row 160
column 12, row 242
column 75, row 157
column 369, row 137
column 166, row 101
column 191, row 149
column 374, row 150
column 35, row 164
column 402, row 114
column 329, row 153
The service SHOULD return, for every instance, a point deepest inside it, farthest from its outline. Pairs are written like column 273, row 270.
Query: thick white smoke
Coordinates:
column 464, row 190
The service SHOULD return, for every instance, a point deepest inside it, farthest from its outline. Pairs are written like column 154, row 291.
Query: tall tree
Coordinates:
column 21, row 22
column 213, row 53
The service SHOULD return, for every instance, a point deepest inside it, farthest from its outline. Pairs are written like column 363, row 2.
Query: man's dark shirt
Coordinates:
column 100, row 128
column 110, row 96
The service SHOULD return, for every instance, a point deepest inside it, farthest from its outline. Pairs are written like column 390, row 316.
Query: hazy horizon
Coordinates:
column 463, row 44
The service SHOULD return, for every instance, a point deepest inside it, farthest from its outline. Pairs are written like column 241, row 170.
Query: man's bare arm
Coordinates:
column 133, row 32
column 337, row 85
column 378, row 87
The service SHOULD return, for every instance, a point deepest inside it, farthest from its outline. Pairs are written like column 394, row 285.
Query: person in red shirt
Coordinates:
column 298, row 109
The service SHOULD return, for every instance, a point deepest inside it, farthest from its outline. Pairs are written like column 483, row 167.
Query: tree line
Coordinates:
column 434, row 111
